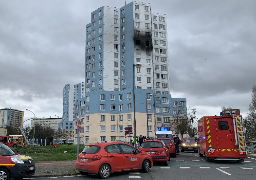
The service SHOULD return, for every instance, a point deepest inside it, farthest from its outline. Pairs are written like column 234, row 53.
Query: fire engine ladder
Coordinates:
column 239, row 134
column 23, row 134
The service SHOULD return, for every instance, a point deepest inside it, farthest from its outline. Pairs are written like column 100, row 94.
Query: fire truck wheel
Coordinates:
column 4, row 174
column 201, row 155
column 240, row 160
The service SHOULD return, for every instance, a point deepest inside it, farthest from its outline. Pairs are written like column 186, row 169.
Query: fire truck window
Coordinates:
column 223, row 125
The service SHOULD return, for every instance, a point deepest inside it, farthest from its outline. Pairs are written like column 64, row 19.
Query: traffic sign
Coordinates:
column 79, row 125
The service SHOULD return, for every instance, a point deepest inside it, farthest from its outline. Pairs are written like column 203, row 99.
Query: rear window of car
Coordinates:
column 188, row 140
column 166, row 141
column 91, row 149
column 164, row 136
column 152, row 145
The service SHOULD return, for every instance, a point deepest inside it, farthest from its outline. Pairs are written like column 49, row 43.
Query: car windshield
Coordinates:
column 5, row 150
column 188, row 140
column 91, row 149
column 164, row 136
column 166, row 141
column 152, row 145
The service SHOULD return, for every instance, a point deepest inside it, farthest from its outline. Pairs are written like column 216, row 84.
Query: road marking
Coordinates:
column 179, row 160
column 252, row 158
column 134, row 173
column 225, row 167
column 204, row 167
column 53, row 177
column 195, row 160
column 247, row 161
column 165, row 167
column 134, row 177
column 223, row 171
column 249, row 157
column 246, row 168
column 67, row 176
column 184, row 167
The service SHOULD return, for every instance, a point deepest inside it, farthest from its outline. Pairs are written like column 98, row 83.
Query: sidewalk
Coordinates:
column 55, row 168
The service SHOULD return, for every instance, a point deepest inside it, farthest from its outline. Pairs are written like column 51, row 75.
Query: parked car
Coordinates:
column 71, row 141
column 189, row 144
column 157, row 149
column 14, row 165
column 106, row 158
column 170, row 145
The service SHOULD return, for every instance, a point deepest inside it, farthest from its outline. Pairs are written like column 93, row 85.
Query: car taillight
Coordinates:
column 96, row 157
column 243, row 153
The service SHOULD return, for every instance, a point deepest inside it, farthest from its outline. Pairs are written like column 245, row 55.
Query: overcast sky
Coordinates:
column 212, row 52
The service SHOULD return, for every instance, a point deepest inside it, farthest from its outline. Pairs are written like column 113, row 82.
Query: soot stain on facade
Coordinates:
column 143, row 41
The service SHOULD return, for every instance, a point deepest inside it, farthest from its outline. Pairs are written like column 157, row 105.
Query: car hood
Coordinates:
column 22, row 157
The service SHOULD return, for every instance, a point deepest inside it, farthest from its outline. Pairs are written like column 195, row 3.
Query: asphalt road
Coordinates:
column 186, row 166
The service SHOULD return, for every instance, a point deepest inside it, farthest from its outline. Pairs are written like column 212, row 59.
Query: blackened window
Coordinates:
column 223, row 125
column 137, row 42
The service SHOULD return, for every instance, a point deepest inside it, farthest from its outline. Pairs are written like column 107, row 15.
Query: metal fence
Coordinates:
column 251, row 146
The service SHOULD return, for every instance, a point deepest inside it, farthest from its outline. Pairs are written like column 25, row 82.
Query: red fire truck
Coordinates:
column 222, row 137
column 12, row 140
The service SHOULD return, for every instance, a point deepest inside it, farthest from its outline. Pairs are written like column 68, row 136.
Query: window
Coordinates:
column 102, row 107
column 136, row 7
column 112, row 117
column 100, row 21
column 122, row 20
column 166, row 119
column 137, row 60
column 139, row 79
column 87, row 118
column 155, row 42
column 158, row 110
column 116, row 56
column 123, row 28
column 137, row 16
column 112, row 107
column 166, row 110
column 100, row 30
column 122, row 11
column 116, row 29
column 123, row 72
column 137, row 51
column 120, row 117
column 137, row 25
column 102, row 117
column 148, row 80
column 115, row 21
column 120, row 107
column 148, row 70
column 159, row 120
column 149, row 128
column 116, row 13
column 129, row 106
column 100, row 38
column 223, row 125
column 148, row 61
column 138, row 69
column 116, row 73
column 87, row 98
column 148, row 106
column 87, row 139
column 137, row 33
column 116, row 82
column 146, row 17
column 128, row 96
column 147, row 25
column 87, row 108
column 102, row 128
column 87, row 128
column 120, row 97
column 113, row 128
column 165, row 100
column 155, row 18
column 123, row 37
column 121, row 128
column 102, row 97
column 127, row 149
column 102, row 138
column 146, row 8
column 149, row 117
column 129, row 117
column 123, row 55
column 112, row 97
column 161, row 18
column 155, row 34
column 115, row 64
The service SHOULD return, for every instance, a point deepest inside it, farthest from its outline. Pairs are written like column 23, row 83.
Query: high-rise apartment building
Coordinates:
column 11, row 117
column 126, row 50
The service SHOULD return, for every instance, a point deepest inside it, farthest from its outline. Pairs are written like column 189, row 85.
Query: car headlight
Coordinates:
column 17, row 160
column 195, row 144
column 183, row 144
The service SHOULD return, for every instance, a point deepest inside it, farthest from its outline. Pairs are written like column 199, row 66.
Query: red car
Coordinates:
column 106, row 158
column 157, row 149
column 14, row 165
column 170, row 145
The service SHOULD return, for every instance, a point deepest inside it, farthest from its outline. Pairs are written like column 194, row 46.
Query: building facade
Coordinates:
column 126, row 73
column 47, row 122
column 11, row 117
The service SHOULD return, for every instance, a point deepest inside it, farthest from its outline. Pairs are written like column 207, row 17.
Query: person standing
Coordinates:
column 140, row 140
column 177, row 142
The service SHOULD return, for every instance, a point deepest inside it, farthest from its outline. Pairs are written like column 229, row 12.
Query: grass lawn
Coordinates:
column 63, row 152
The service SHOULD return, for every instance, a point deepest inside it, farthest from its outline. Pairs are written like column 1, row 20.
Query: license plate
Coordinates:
column 151, row 152
column 84, row 160
column 31, row 168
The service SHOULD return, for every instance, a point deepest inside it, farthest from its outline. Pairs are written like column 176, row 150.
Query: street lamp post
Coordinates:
column 34, row 125
column 134, row 119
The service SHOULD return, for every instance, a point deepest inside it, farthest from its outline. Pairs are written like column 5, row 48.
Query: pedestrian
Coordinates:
column 140, row 140
column 177, row 142
column 132, row 139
